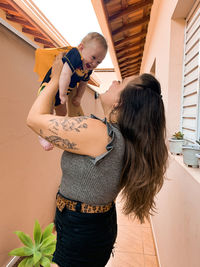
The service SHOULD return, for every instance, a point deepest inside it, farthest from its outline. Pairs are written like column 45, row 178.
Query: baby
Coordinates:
column 79, row 62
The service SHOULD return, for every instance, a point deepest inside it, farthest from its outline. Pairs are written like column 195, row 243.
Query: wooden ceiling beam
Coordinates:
column 131, row 9
column 132, row 25
column 124, row 48
column 131, row 74
column 35, row 33
column 125, row 55
column 130, row 68
column 130, row 38
column 130, row 59
column 43, row 41
column 130, row 62
column 29, row 22
column 139, row 55
column 19, row 20
column 129, row 52
column 8, row 8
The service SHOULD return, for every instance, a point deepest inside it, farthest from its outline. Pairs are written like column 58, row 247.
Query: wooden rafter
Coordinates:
column 128, row 54
column 129, row 73
column 127, row 69
column 130, row 38
column 131, row 9
column 43, row 41
column 6, row 7
column 133, row 45
column 23, row 19
column 19, row 20
column 127, row 24
column 130, row 62
column 139, row 55
column 33, row 32
column 132, row 25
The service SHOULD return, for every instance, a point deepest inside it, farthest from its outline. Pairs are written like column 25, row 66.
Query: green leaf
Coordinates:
column 23, row 251
column 29, row 262
column 37, row 256
column 26, row 240
column 50, row 257
column 37, row 233
column 46, row 242
column 47, row 231
column 23, row 263
column 37, row 264
column 48, row 250
column 45, row 262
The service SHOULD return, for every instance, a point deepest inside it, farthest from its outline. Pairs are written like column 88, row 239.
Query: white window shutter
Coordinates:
column 190, row 117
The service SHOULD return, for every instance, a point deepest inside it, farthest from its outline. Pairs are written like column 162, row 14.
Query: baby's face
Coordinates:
column 93, row 54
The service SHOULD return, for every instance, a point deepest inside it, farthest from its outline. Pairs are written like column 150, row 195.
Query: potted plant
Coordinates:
column 198, row 155
column 189, row 154
column 176, row 143
column 198, row 158
column 37, row 253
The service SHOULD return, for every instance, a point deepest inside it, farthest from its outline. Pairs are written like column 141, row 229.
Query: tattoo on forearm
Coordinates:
column 74, row 124
column 63, row 143
column 53, row 126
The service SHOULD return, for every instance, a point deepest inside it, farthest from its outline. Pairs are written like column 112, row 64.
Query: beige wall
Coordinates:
column 29, row 175
column 176, row 226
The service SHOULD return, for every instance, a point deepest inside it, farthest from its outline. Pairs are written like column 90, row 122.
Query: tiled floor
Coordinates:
column 134, row 246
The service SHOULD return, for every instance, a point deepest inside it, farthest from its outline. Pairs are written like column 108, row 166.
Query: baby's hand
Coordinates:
column 63, row 98
column 76, row 101
column 45, row 144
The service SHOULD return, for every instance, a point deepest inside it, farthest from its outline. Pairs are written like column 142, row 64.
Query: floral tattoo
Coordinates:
column 72, row 124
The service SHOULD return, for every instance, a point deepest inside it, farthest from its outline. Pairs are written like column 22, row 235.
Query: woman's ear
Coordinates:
column 115, row 105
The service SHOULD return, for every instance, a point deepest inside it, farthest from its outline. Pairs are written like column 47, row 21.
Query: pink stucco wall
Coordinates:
column 176, row 226
column 29, row 175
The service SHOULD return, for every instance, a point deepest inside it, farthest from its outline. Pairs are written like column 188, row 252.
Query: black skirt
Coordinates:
column 84, row 239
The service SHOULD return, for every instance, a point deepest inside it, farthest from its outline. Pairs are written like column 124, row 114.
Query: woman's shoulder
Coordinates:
column 112, row 129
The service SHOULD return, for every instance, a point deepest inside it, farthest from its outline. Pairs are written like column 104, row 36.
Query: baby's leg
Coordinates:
column 61, row 110
column 64, row 81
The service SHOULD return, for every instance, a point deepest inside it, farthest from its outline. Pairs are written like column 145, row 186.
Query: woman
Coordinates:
column 125, row 152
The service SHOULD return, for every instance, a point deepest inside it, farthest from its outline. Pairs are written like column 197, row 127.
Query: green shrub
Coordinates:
column 178, row 135
column 37, row 253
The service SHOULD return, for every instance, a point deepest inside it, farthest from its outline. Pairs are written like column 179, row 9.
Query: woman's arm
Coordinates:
column 81, row 135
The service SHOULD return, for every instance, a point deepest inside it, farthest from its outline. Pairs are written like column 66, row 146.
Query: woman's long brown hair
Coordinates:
column 141, row 118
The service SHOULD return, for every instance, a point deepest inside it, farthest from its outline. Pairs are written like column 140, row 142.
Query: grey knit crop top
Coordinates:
column 94, row 180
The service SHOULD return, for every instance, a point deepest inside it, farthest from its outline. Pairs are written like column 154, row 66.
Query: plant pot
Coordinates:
column 175, row 146
column 15, row 261
column 198, row 157
column 189, row 155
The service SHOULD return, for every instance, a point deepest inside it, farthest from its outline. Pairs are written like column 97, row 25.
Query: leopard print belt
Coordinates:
column 62, row 202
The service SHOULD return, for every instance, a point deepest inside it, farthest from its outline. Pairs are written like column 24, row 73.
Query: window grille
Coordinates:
column 190, row 115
